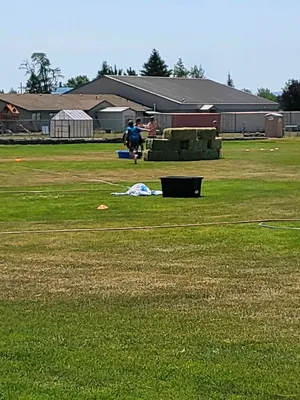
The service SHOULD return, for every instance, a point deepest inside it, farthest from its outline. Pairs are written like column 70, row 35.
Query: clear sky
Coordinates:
column 256, row 40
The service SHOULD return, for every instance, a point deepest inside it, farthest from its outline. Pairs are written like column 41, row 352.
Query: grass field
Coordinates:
column 176, row 314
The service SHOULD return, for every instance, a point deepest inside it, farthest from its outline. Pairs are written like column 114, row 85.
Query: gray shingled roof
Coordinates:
column 193, row 91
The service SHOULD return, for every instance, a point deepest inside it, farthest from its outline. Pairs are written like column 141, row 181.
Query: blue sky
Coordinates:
column 256, row 40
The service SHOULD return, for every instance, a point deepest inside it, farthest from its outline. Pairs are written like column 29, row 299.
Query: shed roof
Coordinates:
column 73, row 115
column 54, row 102
column 115, row 109
column 190, row 90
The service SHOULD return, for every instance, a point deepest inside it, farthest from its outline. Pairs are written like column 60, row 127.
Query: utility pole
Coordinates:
column 21, row 87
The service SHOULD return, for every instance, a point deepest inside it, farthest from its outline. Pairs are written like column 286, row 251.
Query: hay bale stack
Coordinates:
column 206, row 133
column 191, row 155
column 156, row 155
column 180, row 134
column 184, row 144
column 215, row 144
column 162, row 145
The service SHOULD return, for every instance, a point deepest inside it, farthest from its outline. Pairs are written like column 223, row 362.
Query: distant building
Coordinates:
column 62, row 90
column 34, row 111
column 178, row 94
column 45, row 106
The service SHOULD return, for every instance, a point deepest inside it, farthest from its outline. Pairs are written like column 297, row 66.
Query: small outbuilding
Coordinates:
column 70, row 124
column 115, row 119
column 274, row 125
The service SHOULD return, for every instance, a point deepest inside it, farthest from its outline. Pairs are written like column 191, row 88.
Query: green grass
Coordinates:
column 187, row 313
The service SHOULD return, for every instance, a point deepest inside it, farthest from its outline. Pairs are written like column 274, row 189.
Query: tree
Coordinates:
column 230, row 82
column 1, row 91
column 155, row 66
column 107, row 69
column 116, row 71
column 290, row 98
column 266, row 94
column 197, row 72
column 247, row 91
column 179, row 70
column 12, row 91
column 42, row 77
column 130, row 72
column 77, row 81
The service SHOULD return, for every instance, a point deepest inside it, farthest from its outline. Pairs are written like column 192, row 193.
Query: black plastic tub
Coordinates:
column 181, row 186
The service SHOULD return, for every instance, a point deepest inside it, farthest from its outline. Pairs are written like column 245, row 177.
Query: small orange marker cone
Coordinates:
column 18, row 160
column 102, row 207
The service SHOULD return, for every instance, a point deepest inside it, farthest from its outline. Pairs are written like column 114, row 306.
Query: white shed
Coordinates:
column 115, row 119
column 71, row 124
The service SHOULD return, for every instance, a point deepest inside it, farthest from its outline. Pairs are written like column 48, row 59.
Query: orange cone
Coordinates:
column 102, row 207
column 18, row 160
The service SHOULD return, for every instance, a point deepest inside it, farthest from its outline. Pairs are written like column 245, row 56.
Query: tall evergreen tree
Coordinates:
column 156, row 66
column 116, row 71
column 230, row 82
column 130, row 72
column 197, row 71
column 105, row 69
column 179, row 70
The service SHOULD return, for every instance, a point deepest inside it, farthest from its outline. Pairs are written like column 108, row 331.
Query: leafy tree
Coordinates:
column 42, row 77
column 247, row 91
column 155, row 66
column 290, row 98
column 130, row 72
column 230, row 82
column 197, row 71
column 266, row 94
column 1, row 91
column 77, row 81
column 179, row 70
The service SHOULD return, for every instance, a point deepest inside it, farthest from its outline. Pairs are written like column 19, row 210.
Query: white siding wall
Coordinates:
column 115, row 121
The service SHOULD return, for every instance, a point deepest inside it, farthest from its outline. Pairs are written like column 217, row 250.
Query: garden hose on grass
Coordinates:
column 262, row 223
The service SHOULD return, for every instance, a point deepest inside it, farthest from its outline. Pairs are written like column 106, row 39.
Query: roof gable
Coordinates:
column 78, row 115
column 52, row 102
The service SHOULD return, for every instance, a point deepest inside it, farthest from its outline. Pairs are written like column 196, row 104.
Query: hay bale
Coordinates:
column 162, row 145
column 216, row 143
column 211, row 154
column 206, row 133
column 156, row 155
column 191, row 155
column 199, row 144
column 151, row 155
column 180, row 134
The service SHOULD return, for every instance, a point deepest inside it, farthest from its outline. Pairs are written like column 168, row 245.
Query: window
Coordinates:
column 36, row 116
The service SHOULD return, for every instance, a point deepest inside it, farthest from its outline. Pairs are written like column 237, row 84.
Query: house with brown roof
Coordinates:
column 39, row 109
column 29, row 106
